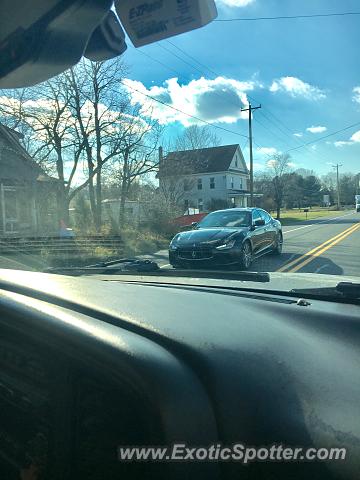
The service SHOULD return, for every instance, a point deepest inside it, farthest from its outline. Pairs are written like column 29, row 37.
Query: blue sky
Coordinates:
column 304, row 72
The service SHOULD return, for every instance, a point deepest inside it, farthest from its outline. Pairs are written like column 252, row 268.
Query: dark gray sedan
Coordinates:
column 227, row 237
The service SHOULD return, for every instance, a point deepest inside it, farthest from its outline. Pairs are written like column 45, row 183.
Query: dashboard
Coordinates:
column 87, row 365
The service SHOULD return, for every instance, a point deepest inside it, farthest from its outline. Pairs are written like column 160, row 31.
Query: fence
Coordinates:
column 65, row 249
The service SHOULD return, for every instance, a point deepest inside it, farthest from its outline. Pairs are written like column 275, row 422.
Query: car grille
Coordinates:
column 195, row 254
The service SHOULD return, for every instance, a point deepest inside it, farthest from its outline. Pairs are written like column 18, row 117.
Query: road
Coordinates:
column 328, row 246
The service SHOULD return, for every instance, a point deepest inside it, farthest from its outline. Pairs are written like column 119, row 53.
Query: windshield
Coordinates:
column 112, row 160
column 226, row 219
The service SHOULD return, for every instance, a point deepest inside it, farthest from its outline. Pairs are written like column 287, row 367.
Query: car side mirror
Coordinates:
column 194, row 224
column 260, row 222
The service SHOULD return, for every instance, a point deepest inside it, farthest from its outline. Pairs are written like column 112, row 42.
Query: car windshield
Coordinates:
column 226, row 219
column 113, row 159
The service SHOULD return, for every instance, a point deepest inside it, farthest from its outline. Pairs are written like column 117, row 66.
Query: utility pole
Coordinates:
column 337, row 184
column 250, row 109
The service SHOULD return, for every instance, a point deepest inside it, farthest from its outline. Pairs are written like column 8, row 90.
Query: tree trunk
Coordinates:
column 123, row 190
column 62, row 206
column 62, row 194
column 92, row 193
column 98, row 219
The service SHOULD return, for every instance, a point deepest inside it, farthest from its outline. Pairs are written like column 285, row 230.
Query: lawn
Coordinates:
column 289, row 217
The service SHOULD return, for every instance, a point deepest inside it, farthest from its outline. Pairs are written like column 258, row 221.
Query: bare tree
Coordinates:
column 78, row 122
column 138, row 157
column 279, row 166
column 42, row 114
column 195, row 137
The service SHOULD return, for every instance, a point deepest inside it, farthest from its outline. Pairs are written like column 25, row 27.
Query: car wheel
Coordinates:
column 278, row 244
column 246, row 256
column 178, row 265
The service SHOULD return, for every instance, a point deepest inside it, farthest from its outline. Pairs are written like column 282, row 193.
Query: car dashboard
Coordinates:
column 88, row 365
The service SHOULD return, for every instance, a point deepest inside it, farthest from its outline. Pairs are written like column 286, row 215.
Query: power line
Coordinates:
column 181, row 111
column 304, row 145
column 217, row 74
column 192, row 58
column 308, row 151
column 214, row 73
column 225, row 129
column 325, row 136
column 155, row 60
column 286, row 17
column 177, row 56
column 177, row 73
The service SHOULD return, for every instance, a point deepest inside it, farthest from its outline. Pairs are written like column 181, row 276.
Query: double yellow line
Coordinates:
column 308, row 257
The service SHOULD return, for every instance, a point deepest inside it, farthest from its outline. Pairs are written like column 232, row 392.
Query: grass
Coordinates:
column 139, row 242
column 135, row 242
column 290, row 217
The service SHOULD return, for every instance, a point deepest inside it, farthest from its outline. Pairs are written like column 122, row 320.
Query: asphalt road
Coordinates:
column 328, row 246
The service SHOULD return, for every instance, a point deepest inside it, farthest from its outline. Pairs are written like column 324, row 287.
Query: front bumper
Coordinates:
column 200, row 257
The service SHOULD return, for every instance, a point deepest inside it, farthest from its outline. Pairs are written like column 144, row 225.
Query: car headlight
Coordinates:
column 226, row 245
column 174, row 243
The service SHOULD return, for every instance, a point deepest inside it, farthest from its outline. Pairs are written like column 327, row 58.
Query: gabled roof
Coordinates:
column 202, row 160
column 13, row 137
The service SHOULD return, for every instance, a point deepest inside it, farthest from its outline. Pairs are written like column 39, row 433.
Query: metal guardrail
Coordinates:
column 59, row 246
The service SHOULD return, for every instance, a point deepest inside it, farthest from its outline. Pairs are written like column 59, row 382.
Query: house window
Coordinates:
column 200, row 204
column 212, row 183
column 231, row 182
column 241, row 184
column 9, row 209
column 186, row 185
column 199, row 183
column 232, row 202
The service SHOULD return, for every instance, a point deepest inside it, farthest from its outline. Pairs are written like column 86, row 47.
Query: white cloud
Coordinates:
column 219, row 100
column 298, row 134
column 235, row 3
column 356, row 96
column 267, row 150
column 42, row 112
column 297, row 88
column 341, row 143
column 318, row 129
column 355, row 138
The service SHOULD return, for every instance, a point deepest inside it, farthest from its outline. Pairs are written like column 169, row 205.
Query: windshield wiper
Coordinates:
column 113, row 266
column 349, row 289
column 341, row 290
column 149, row 268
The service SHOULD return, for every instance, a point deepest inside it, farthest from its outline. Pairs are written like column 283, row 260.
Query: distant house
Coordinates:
column 207, row 176
column 25, row 190
column 135, row 210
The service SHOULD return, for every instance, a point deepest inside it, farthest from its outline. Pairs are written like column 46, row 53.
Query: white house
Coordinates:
column 135, row 211
column 206, row 175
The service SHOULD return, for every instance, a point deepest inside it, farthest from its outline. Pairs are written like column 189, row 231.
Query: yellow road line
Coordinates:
column 314, row 250
column 319, row 252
